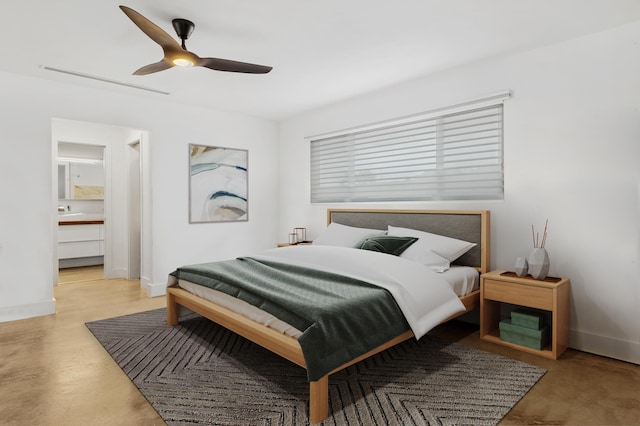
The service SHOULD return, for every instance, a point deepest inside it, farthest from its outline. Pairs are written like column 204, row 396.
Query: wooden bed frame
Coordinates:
column 474, row 226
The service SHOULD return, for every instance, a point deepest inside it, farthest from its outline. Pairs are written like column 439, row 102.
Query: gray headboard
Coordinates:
column 468, row 225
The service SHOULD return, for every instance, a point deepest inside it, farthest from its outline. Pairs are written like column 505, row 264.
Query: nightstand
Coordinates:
column 304, row 243
column 550, row 294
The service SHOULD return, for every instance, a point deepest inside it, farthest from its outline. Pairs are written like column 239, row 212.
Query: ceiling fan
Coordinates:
column 176, row 54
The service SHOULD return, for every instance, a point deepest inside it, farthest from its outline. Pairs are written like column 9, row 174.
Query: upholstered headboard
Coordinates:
column 468, row 225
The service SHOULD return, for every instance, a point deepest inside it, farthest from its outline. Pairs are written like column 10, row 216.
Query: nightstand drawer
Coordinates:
column 518, row 294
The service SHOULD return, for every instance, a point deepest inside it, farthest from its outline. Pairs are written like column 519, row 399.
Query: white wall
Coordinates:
column 27, row 215
column 572, row 156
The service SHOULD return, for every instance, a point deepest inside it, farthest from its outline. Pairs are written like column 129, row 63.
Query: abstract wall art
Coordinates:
column 218, row 186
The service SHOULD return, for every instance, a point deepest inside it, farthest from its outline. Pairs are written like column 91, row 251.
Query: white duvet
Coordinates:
column 425, row 297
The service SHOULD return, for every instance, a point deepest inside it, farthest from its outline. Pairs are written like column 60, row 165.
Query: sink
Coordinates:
column 79, row 217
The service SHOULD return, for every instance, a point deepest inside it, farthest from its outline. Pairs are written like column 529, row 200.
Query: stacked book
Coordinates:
column 526, row 327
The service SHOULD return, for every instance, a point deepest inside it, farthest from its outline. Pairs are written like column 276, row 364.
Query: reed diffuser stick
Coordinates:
column 544, row 234
column 536, row 236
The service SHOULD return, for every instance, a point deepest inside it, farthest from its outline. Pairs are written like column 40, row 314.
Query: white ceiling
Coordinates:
column 322, row 51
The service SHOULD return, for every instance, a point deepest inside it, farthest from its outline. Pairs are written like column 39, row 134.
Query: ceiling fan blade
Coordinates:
column 232, row 66
column 154, row 32
column 151, row 68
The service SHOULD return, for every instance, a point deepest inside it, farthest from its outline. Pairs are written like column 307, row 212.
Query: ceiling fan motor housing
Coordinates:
column 183, row 27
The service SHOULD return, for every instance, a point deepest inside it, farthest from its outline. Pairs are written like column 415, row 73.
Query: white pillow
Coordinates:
column 428, row 258
column 345, row 236
column 427, row 244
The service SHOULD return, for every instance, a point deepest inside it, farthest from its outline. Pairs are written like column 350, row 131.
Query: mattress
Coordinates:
column 463, row 280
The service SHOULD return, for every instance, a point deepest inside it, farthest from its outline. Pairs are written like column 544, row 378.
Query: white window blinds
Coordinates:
column 456, row 156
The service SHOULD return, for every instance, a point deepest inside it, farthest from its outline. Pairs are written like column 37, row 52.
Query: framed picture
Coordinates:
column 218, row 184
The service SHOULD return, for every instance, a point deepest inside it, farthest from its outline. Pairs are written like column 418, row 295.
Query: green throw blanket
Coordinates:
column 340, row 318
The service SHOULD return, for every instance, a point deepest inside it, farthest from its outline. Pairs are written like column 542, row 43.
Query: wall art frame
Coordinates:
column 218, row 184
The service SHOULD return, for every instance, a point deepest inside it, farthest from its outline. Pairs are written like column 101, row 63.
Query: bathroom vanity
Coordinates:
column 80, row 240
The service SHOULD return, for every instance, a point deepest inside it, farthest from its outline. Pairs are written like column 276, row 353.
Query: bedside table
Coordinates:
column 304, row 243
column 550, row 294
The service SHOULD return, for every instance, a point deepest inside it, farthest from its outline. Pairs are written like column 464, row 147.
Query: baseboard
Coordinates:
column 80, row 261
column 606, row 346
column 156, row 290
column 145, row 282
column 30, row 310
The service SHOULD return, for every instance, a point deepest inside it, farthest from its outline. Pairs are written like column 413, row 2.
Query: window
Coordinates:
column 447, row 156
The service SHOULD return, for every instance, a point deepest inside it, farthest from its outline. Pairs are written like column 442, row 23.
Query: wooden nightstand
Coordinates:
column 304, row 243
column 550, row 294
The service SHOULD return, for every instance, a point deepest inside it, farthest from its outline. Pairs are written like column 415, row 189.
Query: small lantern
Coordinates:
column 301, row 234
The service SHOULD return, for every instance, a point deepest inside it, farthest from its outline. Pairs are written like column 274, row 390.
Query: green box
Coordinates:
column 523, row 336
column 527, row 318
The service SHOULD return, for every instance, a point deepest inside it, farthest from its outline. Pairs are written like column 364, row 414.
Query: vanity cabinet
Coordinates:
column 80, row 240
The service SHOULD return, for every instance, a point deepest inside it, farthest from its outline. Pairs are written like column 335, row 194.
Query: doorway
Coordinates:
column 81, row 194
column 135, row 211
column 126, row 219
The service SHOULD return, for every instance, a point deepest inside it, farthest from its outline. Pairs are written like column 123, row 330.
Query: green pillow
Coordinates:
column 386, row 244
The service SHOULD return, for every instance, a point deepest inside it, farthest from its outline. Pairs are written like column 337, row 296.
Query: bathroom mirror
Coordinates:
column 80, row 172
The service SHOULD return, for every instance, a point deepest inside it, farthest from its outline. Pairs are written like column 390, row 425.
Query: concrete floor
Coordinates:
column 578, row 388
column 54, row 372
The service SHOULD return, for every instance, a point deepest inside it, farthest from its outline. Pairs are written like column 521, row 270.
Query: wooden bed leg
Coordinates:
column 319, row 400
column 172, row 310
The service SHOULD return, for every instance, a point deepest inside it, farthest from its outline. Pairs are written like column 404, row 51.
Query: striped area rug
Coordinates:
column 200, row 373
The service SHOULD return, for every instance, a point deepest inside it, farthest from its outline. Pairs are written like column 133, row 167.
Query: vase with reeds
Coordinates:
column 538, row 259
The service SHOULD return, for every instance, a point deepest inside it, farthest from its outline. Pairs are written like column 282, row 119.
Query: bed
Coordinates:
column 285, row 340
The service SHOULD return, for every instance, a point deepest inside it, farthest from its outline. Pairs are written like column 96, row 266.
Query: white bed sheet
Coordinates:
column 463, row 280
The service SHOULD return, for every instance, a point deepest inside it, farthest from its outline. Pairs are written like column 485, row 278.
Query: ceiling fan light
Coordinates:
column 182, row 62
